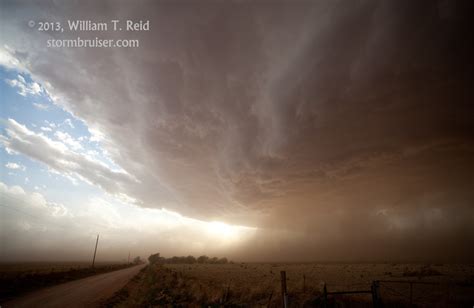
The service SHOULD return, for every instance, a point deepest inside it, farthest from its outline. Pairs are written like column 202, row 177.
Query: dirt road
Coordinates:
column 85, row 292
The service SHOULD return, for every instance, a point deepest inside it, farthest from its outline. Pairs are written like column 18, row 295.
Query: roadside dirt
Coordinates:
column 87, row 292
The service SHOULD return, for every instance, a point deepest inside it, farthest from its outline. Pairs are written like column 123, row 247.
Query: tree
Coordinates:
column 137, row 260
column 175, row 260
column 203, row 259
column 155, row 258
column 190, row 260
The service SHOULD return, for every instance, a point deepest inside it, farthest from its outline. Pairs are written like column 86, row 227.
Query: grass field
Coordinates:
column 42, row 267
column 258, row 284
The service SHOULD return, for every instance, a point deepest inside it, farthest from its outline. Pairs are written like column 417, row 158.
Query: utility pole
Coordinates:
column 95, row 250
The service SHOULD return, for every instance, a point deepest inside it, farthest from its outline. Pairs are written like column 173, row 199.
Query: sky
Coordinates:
column 258, row 131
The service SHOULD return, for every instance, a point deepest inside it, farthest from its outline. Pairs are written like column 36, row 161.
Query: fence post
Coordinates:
column 449, row 294
column 375, row 294
column 325, row 296
column 270, row 299
column 304, row 283
column 411, row 294
column 284, row 296
column 226, row 294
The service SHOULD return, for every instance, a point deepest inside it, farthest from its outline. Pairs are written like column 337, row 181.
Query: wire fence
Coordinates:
column 405, row 293
column 389, row 293
column 426, row 294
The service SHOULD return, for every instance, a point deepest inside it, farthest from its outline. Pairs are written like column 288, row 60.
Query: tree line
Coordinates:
column 156, row 258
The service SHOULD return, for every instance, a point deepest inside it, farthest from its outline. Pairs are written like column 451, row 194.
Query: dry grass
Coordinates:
column 44, row 267
column 258, row 284
column 337, row 277
column 18, row 278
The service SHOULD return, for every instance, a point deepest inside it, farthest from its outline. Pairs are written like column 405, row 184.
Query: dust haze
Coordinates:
column 321, row 130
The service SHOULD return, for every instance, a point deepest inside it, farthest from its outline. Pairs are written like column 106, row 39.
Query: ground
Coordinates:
column 258, row 284
column 17, row 279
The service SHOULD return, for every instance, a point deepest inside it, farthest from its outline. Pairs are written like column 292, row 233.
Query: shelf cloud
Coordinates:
column 341, row 130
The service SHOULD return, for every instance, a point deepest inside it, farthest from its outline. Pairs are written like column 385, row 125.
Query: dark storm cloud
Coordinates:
column 342, row 123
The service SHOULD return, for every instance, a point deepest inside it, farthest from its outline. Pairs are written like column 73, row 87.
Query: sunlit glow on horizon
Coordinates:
column 226, row 232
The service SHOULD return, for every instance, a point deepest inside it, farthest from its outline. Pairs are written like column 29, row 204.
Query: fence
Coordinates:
column 397, row 293
column 374, row 292
column 412, row 293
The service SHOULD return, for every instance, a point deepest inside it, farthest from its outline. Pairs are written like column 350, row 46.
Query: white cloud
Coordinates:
column 10, row 151
column 15, row 166
column 41, row 106
column 67, row 139
column 96, row 135
column 58, row 156
column 9, row 60
column 24, row 88
column 50, row 124
column 32, row 203
column 46, row 129
column 31, row 222
column 69, row 122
